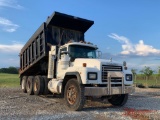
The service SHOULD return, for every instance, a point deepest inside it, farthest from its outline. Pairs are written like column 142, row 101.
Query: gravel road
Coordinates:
column 144, row 104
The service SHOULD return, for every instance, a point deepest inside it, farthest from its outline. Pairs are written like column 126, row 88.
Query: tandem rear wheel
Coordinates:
column 37, row 85
column 23, row 84
column 29, row 85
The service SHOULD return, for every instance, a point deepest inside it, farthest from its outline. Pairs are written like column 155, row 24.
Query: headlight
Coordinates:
column 92, row 76
column 128, row 77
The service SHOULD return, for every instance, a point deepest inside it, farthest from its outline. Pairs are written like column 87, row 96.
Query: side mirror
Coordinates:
column 124, row 63
column 64, row 52
column 53, row 57
column 99, row 54
column 65, row 55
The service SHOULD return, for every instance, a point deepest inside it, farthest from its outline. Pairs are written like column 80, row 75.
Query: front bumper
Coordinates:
column 105, row 91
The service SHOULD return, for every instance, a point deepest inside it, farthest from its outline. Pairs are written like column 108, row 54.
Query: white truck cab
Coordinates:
column 78, row 62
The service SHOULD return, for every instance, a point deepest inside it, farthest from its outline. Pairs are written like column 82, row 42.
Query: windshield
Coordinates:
column 77, row 51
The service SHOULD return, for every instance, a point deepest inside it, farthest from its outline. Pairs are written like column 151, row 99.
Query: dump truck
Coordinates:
column 57, row 59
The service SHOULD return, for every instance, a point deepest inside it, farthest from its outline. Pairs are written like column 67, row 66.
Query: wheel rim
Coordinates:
column 71, row 94
column 22, row 84
column 35, row 86
column 28, row 85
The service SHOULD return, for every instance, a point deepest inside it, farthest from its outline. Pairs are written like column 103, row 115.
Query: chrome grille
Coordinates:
column 106, row 68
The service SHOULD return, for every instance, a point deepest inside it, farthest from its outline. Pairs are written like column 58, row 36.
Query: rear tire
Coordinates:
column 46, row 80
column 23, row 84
column 118, row 100
column 29, row 85
column 74, row 95
column 38, row 85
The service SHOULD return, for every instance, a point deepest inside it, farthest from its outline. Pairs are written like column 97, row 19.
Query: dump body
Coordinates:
column 57, row 30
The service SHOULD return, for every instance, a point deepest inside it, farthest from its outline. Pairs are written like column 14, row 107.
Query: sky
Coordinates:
column 124, row 30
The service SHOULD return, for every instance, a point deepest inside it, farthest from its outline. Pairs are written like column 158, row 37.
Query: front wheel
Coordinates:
column 118, row 100
column 74, row 95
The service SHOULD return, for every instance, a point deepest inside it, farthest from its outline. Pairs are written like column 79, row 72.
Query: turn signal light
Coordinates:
column 84, row 64
column 125, row 67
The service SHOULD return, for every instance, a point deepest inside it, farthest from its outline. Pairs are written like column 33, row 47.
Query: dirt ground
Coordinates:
column 144, row 104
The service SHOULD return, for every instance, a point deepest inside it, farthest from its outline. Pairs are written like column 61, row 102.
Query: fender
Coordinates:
column 68, row 76
column 73, row 74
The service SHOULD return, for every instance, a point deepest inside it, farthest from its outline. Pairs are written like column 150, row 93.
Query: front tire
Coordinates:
column 74, row 95
column 118, row 100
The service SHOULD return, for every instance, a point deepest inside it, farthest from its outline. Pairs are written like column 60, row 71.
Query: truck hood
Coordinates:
column 94, row 63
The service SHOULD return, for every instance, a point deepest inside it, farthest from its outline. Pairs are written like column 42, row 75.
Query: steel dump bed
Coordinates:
column 57, row 30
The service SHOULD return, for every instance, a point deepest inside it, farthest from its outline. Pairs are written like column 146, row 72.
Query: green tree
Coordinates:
column 11, row 70
column 158, row 74
column 134, row 72
column 159, row 71
column 147, row 71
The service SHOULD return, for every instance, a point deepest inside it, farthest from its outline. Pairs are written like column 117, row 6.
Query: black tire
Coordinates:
column 38, row 85
column 75, row 100
column 46, row 90
column 29, row 85
column 118, row 100
column 23, row 84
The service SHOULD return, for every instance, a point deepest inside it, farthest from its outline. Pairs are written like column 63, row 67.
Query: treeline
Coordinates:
column 146, row 72
column 147, row 77
column 11, row 70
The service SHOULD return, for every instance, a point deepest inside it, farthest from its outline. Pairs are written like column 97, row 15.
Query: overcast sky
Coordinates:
column 123, row 29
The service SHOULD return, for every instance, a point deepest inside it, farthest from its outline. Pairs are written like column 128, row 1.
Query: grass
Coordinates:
column 150, row 82
column 12, row 80
column 9, row 80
